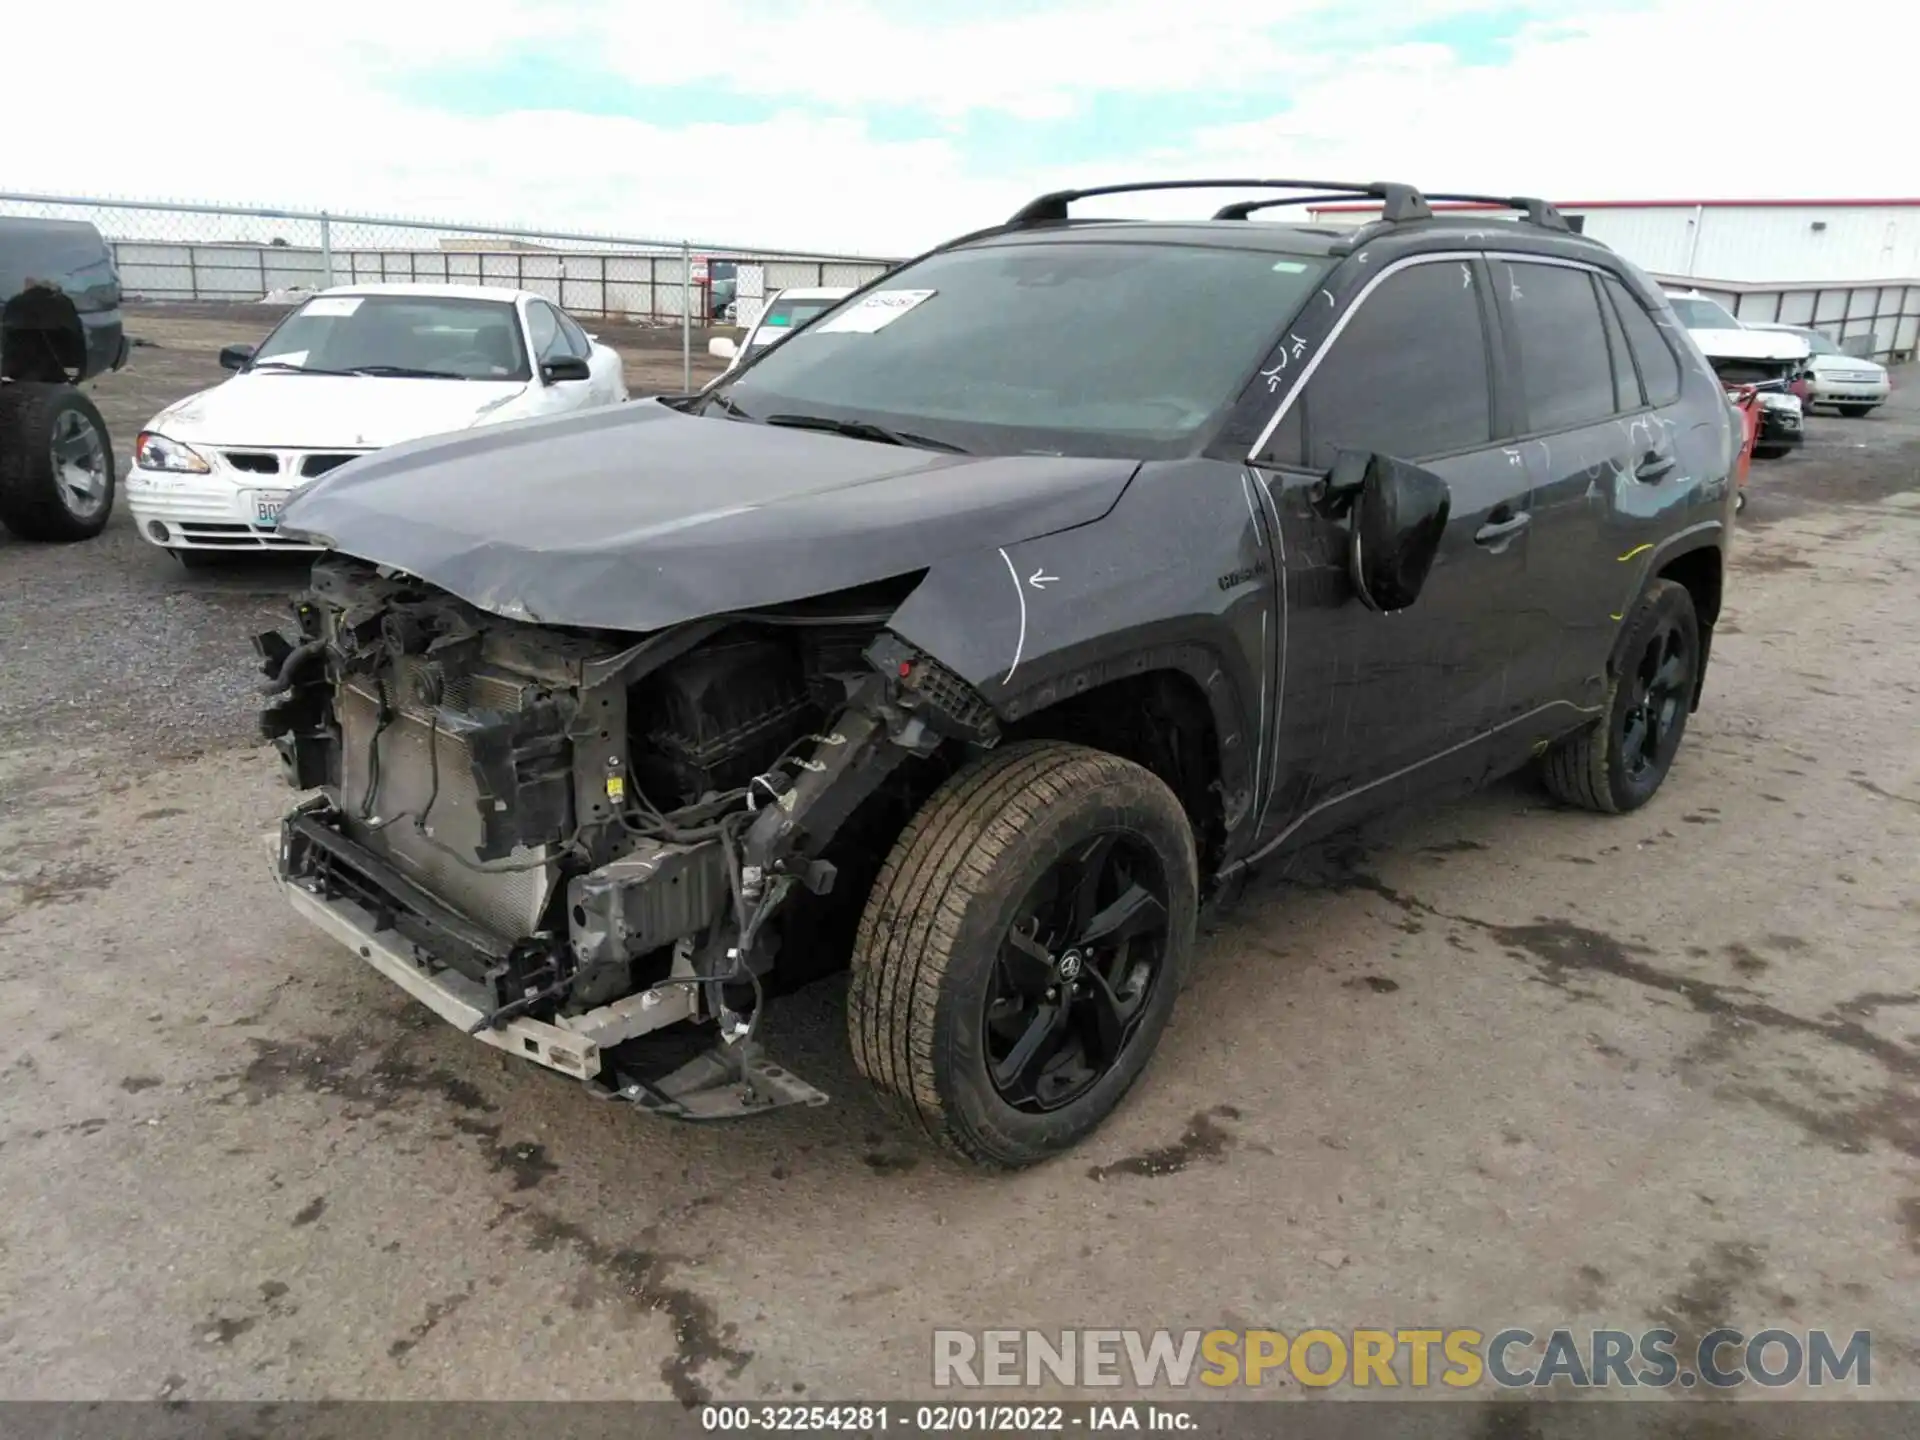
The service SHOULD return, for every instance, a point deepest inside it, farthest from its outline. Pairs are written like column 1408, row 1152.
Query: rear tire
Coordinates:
column 989, row 1013
column 1618, row 764
column 1854, row 412
column 1770, row 452
column 56, row 463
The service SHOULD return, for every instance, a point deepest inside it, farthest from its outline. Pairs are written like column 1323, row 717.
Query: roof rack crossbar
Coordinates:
column 1244, row 209
column 1538, row 212
column 1398, row 202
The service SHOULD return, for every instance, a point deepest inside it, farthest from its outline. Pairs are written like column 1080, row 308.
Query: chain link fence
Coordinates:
column 169, row 252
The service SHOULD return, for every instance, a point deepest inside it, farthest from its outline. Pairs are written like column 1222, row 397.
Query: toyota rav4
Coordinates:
column 976, row 635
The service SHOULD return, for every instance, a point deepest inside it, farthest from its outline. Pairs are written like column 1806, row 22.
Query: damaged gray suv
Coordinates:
column 978, row 630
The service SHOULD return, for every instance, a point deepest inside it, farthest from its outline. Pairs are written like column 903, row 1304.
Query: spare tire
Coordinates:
column 56, row 463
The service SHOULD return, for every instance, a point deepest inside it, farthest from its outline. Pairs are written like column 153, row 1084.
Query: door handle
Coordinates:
column 1653, row 466
column 1496, row 530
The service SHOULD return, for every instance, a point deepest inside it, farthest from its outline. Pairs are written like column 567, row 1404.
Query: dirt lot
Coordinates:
column 1493, row 1064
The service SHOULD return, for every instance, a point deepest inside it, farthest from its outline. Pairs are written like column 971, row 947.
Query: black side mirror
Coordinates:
column 565, row 367
column 1398, row 516
column 235, row 357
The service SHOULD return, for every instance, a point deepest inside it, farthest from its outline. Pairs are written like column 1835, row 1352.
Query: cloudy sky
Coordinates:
column 882, row 128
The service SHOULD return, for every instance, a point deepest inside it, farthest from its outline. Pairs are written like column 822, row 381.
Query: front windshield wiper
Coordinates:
column 407, row 372
column 864, row 430
column 727, row 405
column 294, row 369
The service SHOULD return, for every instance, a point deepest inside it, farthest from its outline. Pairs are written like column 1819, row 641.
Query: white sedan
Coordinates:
column 1852, row 384
column 786, row 310
column 352, row 370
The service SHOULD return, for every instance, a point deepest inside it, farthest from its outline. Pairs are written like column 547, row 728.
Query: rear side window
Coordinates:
column 1408, row 375
column 1565, row 371
column 1626, row 380
column 1659, row 371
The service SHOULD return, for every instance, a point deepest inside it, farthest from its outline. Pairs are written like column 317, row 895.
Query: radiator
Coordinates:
column 511, row 902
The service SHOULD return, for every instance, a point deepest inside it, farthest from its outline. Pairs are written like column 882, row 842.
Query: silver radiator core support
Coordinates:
column 410, row 751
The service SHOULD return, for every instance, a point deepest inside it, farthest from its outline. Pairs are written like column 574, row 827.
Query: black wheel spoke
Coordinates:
column 1080, row 882
column 1633, row 742
column 1036, row 1046
column 1108, row 1030
column 1026, row 963
column 1136, row 912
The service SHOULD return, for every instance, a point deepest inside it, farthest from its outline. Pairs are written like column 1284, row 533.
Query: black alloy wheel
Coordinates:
column 1075, row 972
column 1617, row 763
column 1019, row 956
column 1662, row 691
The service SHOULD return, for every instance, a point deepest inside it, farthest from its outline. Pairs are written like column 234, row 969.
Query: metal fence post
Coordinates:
column 326, row 252
column 686, row 316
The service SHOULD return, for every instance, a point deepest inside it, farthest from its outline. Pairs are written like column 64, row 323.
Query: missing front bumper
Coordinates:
column 721, row 1082
column 450, row 995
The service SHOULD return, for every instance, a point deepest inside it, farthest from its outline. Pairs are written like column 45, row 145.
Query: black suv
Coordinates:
column 60, row 324
column 980, row 628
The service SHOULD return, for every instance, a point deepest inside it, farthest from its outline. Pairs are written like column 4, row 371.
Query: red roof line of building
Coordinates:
column 1364, row 207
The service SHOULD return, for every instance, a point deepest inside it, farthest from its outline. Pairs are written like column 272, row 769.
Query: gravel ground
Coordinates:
column 1491, row 1064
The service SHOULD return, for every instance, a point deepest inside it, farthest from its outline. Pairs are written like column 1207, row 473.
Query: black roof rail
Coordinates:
column 1538, row 212
column 1398, row 202
column 1244, row 209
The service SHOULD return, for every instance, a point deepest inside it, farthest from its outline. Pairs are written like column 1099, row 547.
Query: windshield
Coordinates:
column 405, row 335
column 1703, row 314
column 1817, row 343
column 782, row 315
column 1081, row 347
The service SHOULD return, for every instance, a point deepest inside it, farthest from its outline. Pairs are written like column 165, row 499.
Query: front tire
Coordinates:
column 56, row 463
column 1020, row 954
column 1618, row 764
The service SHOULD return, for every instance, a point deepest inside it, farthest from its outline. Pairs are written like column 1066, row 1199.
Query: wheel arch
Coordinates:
column 1694, row 559
column 1157, row 710
column 41, row 337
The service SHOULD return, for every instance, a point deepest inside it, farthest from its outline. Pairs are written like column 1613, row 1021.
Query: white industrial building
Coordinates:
column 1848, row 267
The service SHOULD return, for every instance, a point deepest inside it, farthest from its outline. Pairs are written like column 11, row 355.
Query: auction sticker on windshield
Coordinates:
column 874, row 313
column 334, row 305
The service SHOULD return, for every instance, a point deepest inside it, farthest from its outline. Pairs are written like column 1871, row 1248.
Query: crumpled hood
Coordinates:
column 1749, row 345
column 325, row 412
column 637, row 516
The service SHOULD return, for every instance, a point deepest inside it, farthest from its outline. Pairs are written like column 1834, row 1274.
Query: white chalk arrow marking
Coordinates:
column 1040, row 579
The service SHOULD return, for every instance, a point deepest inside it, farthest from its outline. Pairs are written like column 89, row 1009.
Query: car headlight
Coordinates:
column 157, row 452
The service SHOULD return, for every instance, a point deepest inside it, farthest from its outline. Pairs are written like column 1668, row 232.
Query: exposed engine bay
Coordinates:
column 568, row 840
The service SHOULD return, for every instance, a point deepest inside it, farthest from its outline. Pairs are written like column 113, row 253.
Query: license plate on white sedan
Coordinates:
column 266, row 508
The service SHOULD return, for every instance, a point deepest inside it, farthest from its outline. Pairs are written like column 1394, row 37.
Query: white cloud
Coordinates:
column 270, row 105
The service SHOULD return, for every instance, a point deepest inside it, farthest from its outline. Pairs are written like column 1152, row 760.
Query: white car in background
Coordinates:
column 352, row 370
column 786, row 309
column 1743, row 354
column 1851, row 384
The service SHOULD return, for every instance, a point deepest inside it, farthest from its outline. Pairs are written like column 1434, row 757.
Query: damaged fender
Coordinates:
column 1180, row 577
